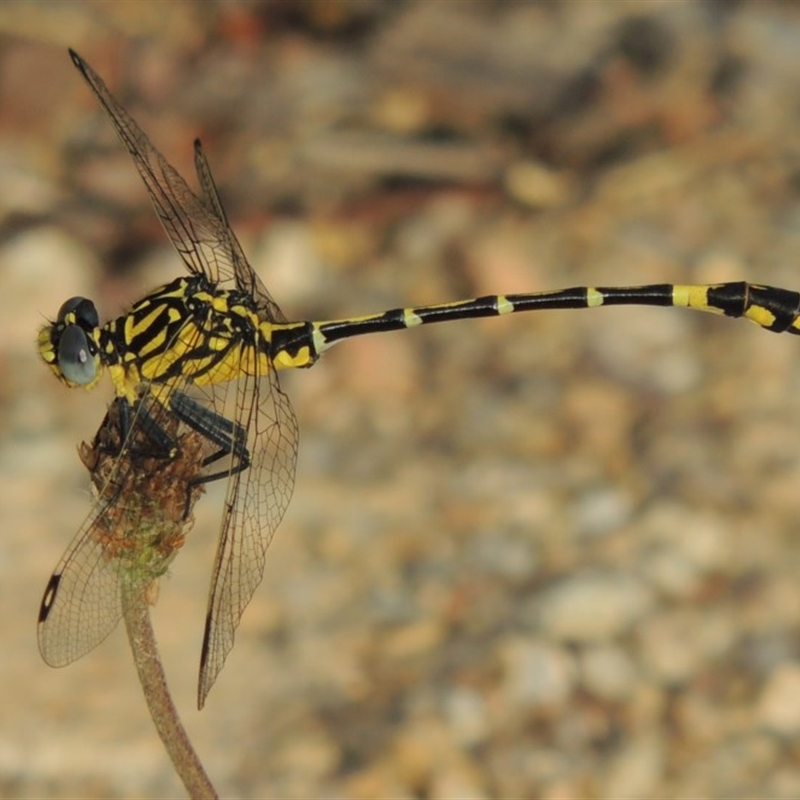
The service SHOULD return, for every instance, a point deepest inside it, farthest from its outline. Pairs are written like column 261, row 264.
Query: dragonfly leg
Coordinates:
column 160, row 445
column 228, row 436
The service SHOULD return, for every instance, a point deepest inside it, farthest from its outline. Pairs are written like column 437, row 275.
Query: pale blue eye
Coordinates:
column 75, row 359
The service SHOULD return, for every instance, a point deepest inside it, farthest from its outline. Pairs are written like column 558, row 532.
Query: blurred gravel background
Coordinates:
column 551, row 556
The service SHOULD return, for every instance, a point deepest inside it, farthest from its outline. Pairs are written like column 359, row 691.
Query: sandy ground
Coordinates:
column 552, row 555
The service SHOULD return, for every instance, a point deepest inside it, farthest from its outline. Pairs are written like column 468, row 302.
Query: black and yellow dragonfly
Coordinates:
column 206, row 350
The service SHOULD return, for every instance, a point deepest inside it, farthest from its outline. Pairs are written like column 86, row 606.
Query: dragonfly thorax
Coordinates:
column 191, row 330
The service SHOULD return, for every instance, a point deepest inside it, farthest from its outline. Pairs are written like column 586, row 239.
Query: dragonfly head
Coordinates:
column 69, row 346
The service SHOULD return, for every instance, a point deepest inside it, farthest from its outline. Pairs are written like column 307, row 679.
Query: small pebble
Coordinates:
column 635, row 771
column 608, row 672
column 593, row 607
column 779, row 705
column 537, row 674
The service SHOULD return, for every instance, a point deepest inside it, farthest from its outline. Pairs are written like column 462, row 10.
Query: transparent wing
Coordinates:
column 255, row 503
column 139, row 520
column 82, row 604
column 197, row 227
column 246, row 278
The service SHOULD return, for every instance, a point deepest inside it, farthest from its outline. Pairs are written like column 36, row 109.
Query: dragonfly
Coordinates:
column 206, row 349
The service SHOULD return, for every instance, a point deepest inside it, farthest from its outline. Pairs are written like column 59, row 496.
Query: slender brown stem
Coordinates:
column 154, row 683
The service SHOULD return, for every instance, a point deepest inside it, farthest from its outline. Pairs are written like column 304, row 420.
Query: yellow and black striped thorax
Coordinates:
column 185, row 329
column 195, row 331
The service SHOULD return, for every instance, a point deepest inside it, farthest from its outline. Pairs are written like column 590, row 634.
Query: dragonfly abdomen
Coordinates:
column 772, row 308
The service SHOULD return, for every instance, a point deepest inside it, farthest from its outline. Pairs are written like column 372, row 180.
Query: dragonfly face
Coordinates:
column 70, row 345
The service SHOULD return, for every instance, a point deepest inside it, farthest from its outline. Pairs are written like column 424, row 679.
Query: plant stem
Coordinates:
column 154, row 683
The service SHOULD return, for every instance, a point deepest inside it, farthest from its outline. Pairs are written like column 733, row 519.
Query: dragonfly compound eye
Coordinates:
column 84, row 311
column 75, row 356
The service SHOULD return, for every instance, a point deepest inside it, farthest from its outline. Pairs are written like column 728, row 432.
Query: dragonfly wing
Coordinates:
column 144, row 471
column 82, row 603
column 255, row 504
column 245, row 276
column 202, row 239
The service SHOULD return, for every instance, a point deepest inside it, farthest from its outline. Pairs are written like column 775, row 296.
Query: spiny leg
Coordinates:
column 229, row 436
column 164, row 446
